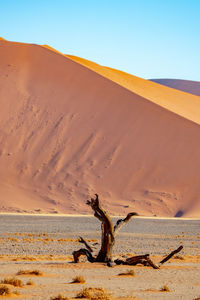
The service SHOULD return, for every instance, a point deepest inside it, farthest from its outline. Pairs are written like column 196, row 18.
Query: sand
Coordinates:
column 46, row 243
column 69, row 130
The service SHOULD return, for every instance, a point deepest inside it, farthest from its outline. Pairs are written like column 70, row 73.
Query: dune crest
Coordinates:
column 68, row 131
column 175, row 101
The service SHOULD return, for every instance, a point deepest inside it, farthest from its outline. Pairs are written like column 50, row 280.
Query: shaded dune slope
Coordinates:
column 67, row 132
column 188, row 86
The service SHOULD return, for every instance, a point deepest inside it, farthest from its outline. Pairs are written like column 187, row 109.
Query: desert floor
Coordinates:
column 46, row 243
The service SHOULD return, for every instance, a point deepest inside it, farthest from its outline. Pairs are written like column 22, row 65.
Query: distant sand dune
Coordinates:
column 188, row 86
column 69, row 128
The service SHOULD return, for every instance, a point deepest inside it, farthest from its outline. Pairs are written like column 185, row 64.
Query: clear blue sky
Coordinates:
column 147, row 38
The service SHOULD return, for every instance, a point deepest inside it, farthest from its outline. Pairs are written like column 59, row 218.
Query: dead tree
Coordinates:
column 108, row 234
column 108, row 240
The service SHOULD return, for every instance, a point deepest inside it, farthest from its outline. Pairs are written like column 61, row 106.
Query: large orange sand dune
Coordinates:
column 69, row 129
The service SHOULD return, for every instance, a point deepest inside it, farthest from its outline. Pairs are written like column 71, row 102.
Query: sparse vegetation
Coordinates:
column 16, row 293
column 4, row 290
column 23, row 258
column 30, row 282
column 59, row 297
column 94, row 294
column 29, row 272
column 165, row 288
column 179, row 257
column 127, row 273
column 78, row 279
column 12, row 281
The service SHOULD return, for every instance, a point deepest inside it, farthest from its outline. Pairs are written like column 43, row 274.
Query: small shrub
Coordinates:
column 78, row 279
column 127, row 273
column 4, row 290
column 12, row 281
column 94, row 294
column 30, row 282
column 165, row 288
column 59, row 297
column 29, row 272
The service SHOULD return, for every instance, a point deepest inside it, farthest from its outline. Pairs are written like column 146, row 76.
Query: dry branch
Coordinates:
column 145, row 259
column 81, row 240
column 121, row 222
column 138, row 259
column 171, row 254
column 87, row 253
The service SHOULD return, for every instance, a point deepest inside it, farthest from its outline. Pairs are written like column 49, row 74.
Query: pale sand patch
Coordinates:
column 91, row 216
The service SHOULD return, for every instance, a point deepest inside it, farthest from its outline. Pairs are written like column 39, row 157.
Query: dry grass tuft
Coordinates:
column 30, row 282
column 78, row 279
column 29, row 272
column 59, row 297
column 127, row 273
column 4, row 290
column 179, row 257
column 23, row 258
column 94, row 294
column 165, row 288
column 16, row 293
column 12, row 281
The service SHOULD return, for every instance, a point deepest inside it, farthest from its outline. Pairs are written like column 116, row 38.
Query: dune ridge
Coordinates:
column 67, row 132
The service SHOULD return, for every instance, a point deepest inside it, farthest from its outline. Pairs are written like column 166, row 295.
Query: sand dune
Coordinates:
column 188, row 86
column 67, row 131
column 176, row 102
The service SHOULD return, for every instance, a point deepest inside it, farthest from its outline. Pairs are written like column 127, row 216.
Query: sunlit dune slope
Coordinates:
column 67, row 132
column 51, row 48
column 175, row 101
column 188, row 86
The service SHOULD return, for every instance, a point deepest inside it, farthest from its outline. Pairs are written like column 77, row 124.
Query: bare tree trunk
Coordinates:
column 107, row 236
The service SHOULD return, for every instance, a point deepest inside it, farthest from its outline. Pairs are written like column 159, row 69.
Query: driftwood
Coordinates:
column 108, row 240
